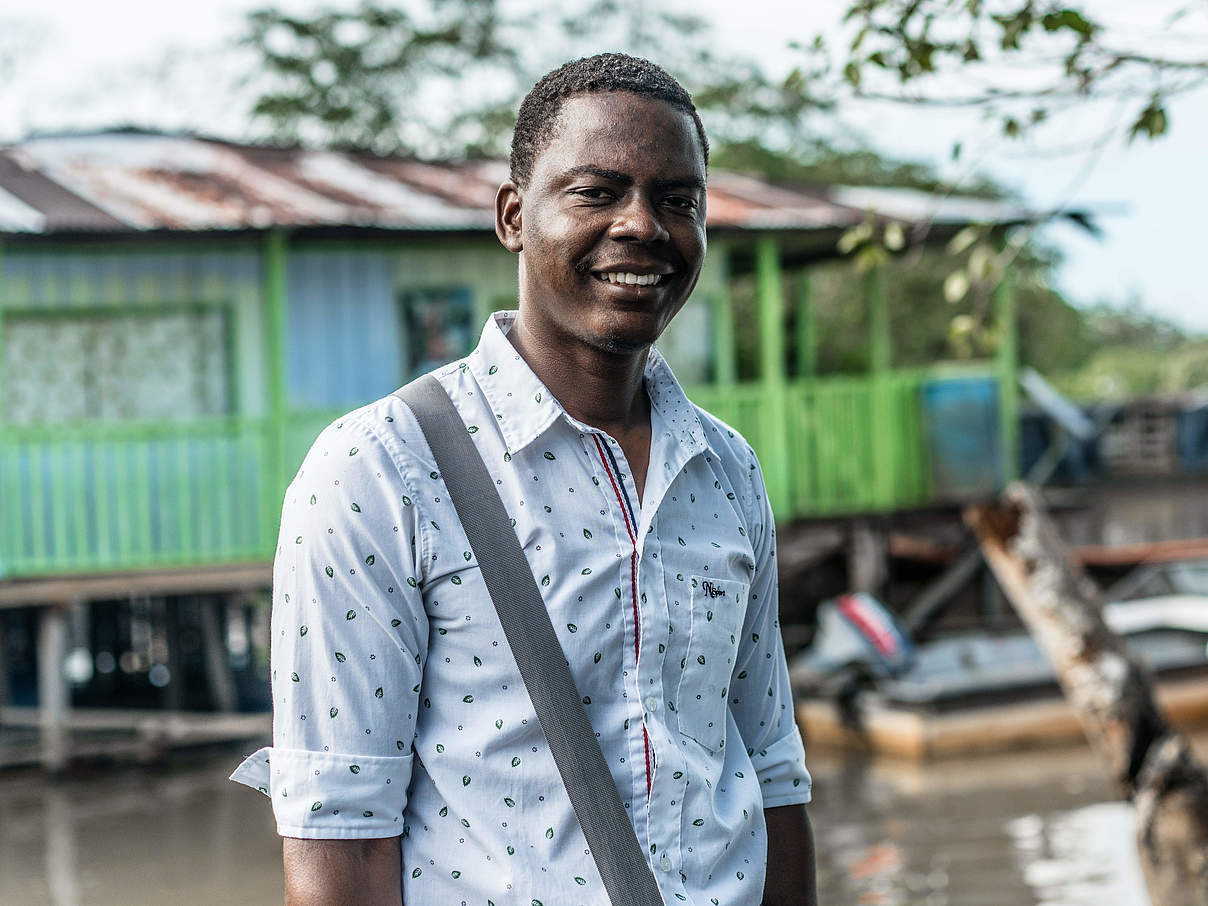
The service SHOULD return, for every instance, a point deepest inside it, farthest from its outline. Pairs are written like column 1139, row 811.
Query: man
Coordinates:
column 407, row 759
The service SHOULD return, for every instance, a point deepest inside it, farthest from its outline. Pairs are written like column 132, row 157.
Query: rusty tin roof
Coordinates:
column 132, row 181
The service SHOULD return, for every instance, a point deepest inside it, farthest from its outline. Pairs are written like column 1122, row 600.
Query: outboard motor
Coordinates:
column 857, row 643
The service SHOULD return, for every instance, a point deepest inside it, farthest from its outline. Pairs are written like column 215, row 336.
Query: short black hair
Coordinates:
column 602, row 73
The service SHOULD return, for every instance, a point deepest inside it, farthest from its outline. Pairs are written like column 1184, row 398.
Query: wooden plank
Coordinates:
column 913, row 547
column 190, row 580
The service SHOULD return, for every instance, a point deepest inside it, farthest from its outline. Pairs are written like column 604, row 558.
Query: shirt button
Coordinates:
column 652, row 703
column 664, row 864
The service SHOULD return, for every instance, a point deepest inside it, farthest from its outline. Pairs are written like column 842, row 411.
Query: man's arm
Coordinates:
column 343, row 872
column 792, row 879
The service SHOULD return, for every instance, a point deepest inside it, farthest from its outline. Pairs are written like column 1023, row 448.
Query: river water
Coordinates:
column 995, row 831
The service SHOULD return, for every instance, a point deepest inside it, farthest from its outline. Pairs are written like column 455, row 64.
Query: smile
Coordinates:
column 628, row 279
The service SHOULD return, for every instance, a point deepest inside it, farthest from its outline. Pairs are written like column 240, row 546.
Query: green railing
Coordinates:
column 113, row 496
column 103, row 496
column 851, row 444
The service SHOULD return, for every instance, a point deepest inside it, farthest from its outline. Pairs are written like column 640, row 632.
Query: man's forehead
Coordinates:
column 601, row 130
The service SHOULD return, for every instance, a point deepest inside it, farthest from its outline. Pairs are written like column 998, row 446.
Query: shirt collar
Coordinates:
column 524, row 408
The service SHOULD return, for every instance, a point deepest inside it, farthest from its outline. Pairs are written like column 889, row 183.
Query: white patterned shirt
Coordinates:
column 398, row 707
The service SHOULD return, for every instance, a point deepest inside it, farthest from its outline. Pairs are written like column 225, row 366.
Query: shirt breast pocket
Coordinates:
column 718, row 606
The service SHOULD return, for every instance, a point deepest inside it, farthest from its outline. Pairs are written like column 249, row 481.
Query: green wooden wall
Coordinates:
column 93, row 496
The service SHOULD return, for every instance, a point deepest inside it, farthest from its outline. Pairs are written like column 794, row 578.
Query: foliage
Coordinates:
column 1129, row 352
column 899, row 47
column 826, row 166
column 354, row 78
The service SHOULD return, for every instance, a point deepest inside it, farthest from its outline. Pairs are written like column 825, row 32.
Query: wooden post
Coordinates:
column 4, row 666
column 721, row 324
column 1007, row 366
column 214, row 650
column 867, row 557
column 1148, row 761
column 880, row 361
column 807, row 339
column 54, row 698
column 3, row 301
column 774, row 455
column 275, row 253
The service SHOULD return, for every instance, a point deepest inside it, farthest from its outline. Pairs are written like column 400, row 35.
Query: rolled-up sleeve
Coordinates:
column 761, row 699
column 349, row 638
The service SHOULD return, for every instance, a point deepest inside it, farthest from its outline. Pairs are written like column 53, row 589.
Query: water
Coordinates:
column 1006, row 831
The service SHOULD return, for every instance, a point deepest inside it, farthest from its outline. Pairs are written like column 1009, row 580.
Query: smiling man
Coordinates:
column 408, row 763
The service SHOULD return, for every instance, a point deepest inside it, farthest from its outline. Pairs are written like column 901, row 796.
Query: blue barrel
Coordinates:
column 963, row 437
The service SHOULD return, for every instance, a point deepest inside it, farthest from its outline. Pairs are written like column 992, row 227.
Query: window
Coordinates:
column 130, row 365
column 437, row 326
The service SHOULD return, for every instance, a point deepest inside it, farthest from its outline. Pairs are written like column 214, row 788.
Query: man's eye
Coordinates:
column 595, row 193
column 681, row 201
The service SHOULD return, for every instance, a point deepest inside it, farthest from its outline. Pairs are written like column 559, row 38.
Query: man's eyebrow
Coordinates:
column 690, row 182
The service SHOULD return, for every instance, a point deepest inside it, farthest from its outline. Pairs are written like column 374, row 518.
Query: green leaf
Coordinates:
column 350, row 615
column 378, row 693
column 356, row 508
column 549, row 833
column 333, row 712
column 340, row 658
column 571, row 627
column 468, row 699
column 316, row 806
column 355, row 768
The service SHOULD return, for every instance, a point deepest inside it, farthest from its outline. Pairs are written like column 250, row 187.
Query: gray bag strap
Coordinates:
column 543, row 666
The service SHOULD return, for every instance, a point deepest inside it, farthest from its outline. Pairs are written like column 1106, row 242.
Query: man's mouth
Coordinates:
column 628, row 279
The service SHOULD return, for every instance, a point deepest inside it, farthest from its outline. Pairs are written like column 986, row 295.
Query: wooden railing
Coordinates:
column 98, row 497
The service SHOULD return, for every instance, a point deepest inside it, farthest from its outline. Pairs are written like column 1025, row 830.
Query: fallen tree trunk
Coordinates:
column 1112, row 693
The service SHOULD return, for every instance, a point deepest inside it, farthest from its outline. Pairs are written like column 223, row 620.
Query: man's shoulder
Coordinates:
column 726, row 440
column 385, row 429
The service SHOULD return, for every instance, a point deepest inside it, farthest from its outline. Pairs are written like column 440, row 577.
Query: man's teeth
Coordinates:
column 631, row 279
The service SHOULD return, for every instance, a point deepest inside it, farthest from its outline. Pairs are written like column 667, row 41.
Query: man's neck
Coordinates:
column 601, row 389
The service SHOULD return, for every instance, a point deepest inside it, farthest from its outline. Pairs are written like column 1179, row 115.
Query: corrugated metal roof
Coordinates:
column 129, row 181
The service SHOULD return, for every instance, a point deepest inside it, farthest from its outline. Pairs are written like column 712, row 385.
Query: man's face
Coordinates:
column 611, row 227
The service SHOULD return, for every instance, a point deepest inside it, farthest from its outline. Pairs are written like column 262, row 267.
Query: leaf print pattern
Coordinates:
column 385, row 629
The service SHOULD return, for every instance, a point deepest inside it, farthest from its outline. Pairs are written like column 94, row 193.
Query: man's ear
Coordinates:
column 507, row 216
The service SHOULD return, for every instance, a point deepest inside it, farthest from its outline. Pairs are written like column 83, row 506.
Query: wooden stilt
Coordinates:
column 218, row 666
column 4, row 668
column 174, row 692
column 54, row 701
column 867, row 558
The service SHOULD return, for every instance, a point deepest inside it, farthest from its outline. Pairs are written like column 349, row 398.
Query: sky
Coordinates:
column 88, row 65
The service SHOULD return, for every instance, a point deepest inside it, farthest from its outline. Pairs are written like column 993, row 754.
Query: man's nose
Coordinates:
column 638, row 221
